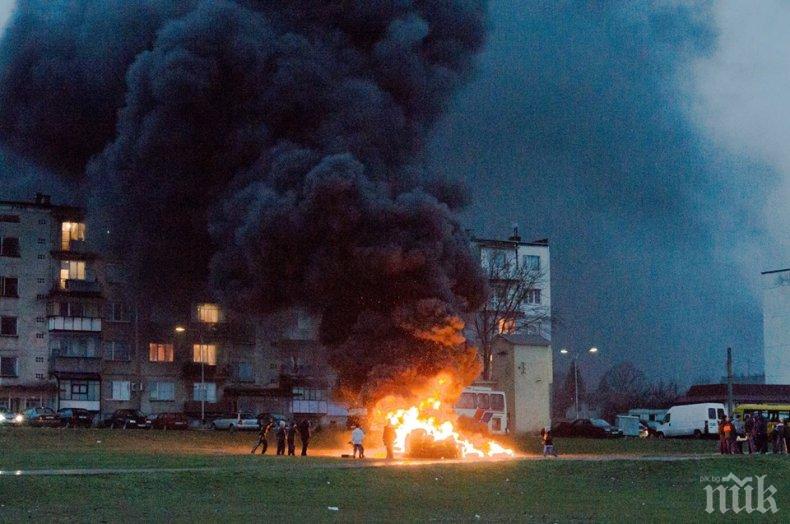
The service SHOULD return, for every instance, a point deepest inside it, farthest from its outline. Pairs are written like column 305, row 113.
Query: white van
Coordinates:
column 689, row 420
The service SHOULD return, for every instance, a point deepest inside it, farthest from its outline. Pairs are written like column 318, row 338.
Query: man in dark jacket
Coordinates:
column 389, row 440
column 263, row 442
column 761, row 433
column 291, row 438
column 281, row 434
column 304, row 435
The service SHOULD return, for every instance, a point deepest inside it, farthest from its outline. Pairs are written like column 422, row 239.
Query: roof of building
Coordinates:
column 543, row 242
column 519, row 339
column 41, row 202
column 742, row 393
column 775, row 271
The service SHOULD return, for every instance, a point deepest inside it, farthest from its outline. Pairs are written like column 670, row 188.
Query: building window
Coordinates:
column 74, row 347
column 162, row 391
column 496, row 259
column 9, row 367
column 74, row 309
column 9, row 287
column 506, row 325
column 39, row 376
column 531, row 262
column 116, row 312
column 532, row 296
column 160, row 352
column 121, row 390
column 41, row 241
column 206, row 391
column 8, row 326
column 117, row 350
column 86, row 390
column 13, row 219
column 42, row 257
column 309, row 394
column 244, row 372
column 9, row 247
column 71, row 231
column 40, row 320
column 209, row 313
column 205, row 353
column 41, row 280
column 40, row 359
column 71, row 270
column 39, row 335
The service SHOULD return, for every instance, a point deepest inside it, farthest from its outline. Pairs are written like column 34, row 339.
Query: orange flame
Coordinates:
column 426, row 415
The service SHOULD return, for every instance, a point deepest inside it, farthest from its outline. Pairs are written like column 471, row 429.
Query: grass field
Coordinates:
column 601, row 481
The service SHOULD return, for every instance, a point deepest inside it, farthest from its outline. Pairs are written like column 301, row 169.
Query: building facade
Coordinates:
column 776, row 325
column 516, row 324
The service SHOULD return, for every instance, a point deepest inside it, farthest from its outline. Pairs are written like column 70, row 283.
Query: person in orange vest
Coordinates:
column 725, row 430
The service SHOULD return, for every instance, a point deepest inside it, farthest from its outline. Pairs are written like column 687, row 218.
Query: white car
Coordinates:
column 243, row 421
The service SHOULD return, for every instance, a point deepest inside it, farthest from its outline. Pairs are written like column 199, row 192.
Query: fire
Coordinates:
column 415, row 418
column 429, row 421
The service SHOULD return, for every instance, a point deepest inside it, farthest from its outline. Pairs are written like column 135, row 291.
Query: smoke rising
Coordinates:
column 278, row 143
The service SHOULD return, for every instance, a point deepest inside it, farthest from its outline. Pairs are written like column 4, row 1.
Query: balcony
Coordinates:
column 89, row 324
column 191, row 370
column 84, row 287
column 75, row 364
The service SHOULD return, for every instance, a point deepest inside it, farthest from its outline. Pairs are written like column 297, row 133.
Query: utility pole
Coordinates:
column 729, row 382
column 576, row 384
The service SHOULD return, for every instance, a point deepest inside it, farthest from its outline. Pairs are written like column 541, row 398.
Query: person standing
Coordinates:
column 748, row 427
column 291, row 439
column 761, row 433
column 778, row 437
column 736, row 446
column 263, row 441
column 389, row 440
column 548, row 443
column 725, row 429
column 357, row 436
column 786, row 432
column 281, row 431
column 304, row 435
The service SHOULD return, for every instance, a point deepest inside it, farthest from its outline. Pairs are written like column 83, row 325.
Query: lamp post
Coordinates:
column 575, row 356
column 180, row 330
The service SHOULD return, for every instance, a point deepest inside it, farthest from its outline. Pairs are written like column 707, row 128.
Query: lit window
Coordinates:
column 121, row 390
column 206, row 391
column 71, row 270
column 507, row 325
column 160, row 352
column 209, row 313
column 71, row 231
column 161, row 391
column 205, row 353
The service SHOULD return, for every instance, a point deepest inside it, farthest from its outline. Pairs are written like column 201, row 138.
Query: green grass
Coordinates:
column 266, row 488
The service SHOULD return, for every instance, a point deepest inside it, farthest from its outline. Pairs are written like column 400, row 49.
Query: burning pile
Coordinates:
column 426, row 429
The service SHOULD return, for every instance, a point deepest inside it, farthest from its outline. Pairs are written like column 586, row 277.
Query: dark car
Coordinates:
column 128, row 419
column 168, row 421
column 75, row 417
column 587, row 427
column 40, row 417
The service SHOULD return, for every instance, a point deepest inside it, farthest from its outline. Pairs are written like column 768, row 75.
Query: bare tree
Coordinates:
column 513, row 306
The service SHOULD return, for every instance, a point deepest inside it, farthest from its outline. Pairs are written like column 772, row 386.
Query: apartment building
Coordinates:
column 776, row 325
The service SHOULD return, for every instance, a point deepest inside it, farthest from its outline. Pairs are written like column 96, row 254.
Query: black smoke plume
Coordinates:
column 276, row 146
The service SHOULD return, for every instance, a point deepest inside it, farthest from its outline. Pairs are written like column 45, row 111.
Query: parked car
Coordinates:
column 168, row 421
column 692, row 420
column 40, row 417
column 128, row 419
column 236, row 421
column 9, row 417
column 587, row 427
column 75, row 417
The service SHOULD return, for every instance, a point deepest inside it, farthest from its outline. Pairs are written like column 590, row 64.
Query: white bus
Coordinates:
column 484, row 405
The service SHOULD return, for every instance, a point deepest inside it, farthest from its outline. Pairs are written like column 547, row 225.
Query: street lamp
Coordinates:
column 575, row 356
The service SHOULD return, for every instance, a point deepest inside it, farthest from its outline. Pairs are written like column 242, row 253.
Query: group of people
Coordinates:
column 285, row 434
column 756, row 431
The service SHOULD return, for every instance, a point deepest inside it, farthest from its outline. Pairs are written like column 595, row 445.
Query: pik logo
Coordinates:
column 739, row 495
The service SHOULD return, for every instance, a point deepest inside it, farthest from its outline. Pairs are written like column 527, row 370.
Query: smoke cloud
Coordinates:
column 279, row 144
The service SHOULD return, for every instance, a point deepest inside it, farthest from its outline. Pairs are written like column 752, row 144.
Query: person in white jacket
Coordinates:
column 357, row 436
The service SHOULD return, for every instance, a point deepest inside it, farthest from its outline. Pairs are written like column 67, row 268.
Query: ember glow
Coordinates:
column 432, row 419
